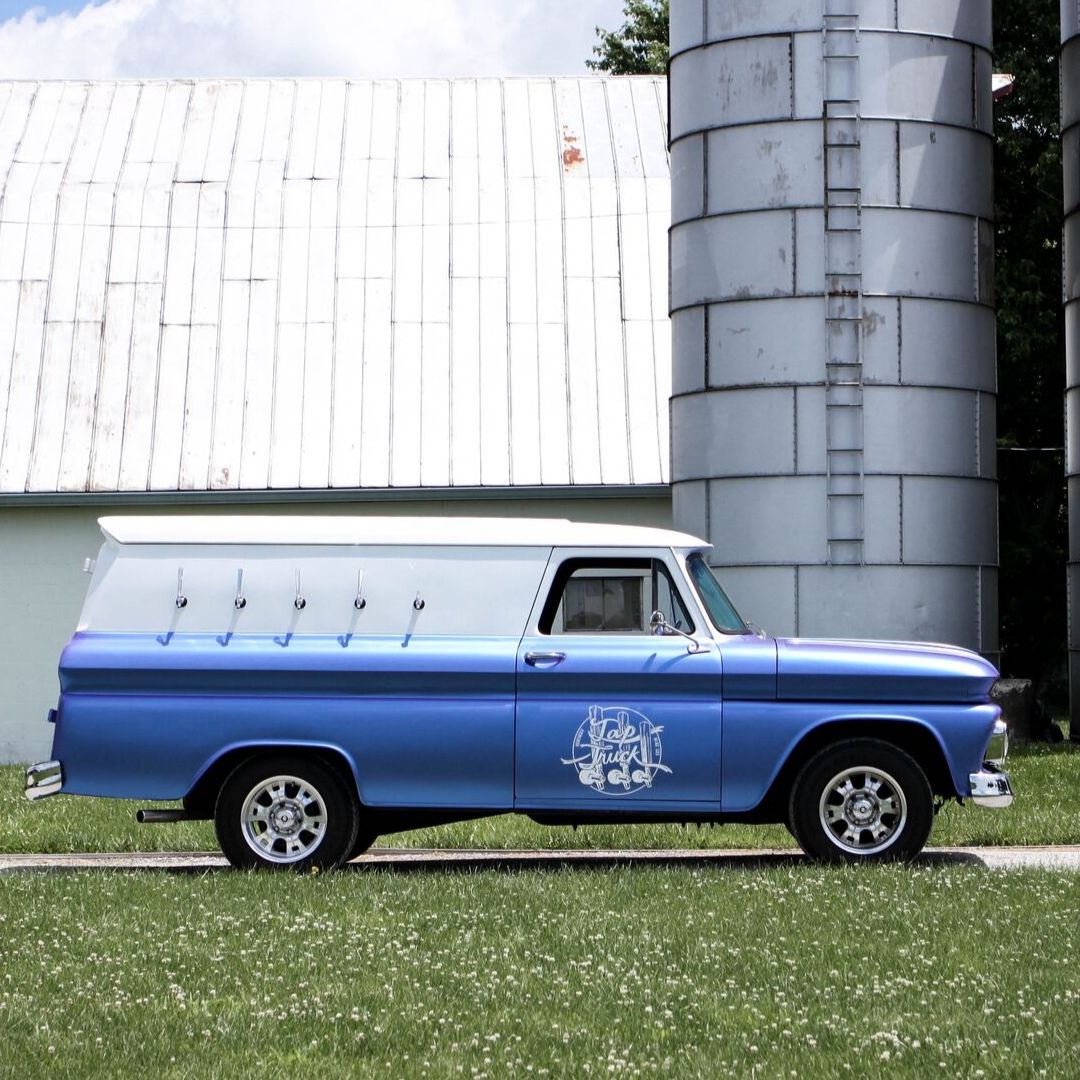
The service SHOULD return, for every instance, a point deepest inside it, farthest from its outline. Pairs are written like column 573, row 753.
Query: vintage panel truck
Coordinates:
column 311, row 683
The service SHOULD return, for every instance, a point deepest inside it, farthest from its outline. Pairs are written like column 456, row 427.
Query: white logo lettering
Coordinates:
column 617, row 751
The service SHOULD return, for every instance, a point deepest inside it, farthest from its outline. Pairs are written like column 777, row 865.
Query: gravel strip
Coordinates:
column 993, row 858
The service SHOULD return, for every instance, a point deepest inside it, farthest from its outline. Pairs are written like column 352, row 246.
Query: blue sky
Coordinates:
column 8, row 8
column 356, row 38
column 353, row 38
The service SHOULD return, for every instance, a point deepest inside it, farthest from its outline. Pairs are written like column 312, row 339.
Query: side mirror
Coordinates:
column 658, row 624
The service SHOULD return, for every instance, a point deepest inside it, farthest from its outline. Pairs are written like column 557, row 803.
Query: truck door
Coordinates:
column 612, row 717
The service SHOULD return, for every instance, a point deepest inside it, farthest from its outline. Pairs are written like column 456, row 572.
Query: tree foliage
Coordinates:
column 639, row 46
column 1031, row 364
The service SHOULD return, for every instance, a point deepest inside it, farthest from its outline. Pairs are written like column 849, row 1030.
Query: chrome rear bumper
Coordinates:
column 43, row 779
column 991, row 787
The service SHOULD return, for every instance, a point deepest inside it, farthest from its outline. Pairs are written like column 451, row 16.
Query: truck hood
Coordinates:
column 901, row 671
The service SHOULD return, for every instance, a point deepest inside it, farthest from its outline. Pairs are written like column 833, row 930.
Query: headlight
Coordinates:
column 997, row 749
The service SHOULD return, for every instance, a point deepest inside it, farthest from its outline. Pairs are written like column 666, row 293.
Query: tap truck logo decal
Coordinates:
column 617, row 751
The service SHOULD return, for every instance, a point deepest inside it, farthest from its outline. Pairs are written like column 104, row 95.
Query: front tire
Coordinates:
column 861, row 800
column 284, row 813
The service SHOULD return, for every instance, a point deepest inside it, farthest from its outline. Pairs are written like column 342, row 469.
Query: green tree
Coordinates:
column 1031, row 365
column 639, row 46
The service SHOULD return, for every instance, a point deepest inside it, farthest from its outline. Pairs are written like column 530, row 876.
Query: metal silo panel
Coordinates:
column 836, row 247
column 949, row 521
column 923, row 603
column 731, row 83
column 756, row 517
column 744, row 18
column 687, row 25
column 733, row 432
column 757, row 258
column 687, row 172
column 943, row 168
column 766, row 595
column 927, row 350
column 757, row 166
column 915, row 430
column 750, row 343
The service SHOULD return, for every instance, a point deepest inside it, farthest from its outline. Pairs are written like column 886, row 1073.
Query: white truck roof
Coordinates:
column 405, row 531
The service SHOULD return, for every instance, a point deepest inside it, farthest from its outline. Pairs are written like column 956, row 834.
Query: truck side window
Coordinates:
column 590, row 596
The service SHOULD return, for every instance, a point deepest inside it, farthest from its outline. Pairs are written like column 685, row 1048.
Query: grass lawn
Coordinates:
column 626, row 971
column 796, row 971
column 1046, row 811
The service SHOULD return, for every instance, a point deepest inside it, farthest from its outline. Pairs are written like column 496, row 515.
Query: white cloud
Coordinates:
column 385, row 38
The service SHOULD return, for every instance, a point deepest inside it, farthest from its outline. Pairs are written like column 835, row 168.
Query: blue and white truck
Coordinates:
column 313, row 683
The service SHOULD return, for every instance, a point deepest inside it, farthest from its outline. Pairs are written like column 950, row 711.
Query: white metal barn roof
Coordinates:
column 326, row 283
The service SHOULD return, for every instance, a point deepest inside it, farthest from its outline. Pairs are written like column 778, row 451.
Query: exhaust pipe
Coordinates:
column 158, row 817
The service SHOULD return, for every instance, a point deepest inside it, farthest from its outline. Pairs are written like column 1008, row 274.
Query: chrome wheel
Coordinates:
column 862, row 810
column 861, row 800
column 283, row 819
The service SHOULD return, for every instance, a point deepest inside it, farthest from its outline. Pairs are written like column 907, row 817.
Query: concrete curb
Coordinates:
column 413, row 859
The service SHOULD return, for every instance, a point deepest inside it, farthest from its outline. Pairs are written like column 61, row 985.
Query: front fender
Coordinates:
column 760, row 739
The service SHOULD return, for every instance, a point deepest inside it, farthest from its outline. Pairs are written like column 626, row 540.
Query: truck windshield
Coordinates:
column 721, row 611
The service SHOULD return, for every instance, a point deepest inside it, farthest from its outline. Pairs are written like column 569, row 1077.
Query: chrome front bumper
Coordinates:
column 43, row 779
column 991, row 787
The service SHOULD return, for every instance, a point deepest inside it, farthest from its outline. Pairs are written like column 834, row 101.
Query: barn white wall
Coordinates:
column 42, row 584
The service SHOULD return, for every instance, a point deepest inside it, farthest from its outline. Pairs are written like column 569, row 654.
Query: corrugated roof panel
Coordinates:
column 39, row 124
column 328, row 140
column 348, row 381
column 139, row 409
column 170, row 132
column 116, row 137
column 495, row 417
column 251, row 128
column 611, row 387
column 642, row 407
column 113, row 385
column 91, row 104
column 288, row 415
column 376, row 395
column 435, row 397
column 21, row 399
column 259, row 387
column 466, row 387
column 168, row 435
column 198, row 408
column 303, row 129
column 9, row 304
column 316, row 421
column 406, row 342
column 221, row 147
column 51, row 406
column 19, row 190
column 229, row 390
column 584, row 441
column 82, row 402
column 279, row 283
column 145, row 124
column 17, row 100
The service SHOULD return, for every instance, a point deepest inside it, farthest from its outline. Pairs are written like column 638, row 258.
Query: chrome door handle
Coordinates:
column 552, row 658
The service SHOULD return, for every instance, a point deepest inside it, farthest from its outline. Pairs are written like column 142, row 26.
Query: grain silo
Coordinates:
column 833, row 427
column 1070, row 155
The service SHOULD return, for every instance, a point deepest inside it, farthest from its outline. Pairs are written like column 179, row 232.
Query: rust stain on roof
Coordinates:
column 571, row 155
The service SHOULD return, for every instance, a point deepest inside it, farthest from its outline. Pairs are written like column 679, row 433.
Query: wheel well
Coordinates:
column 915, row 740
column 199, row 801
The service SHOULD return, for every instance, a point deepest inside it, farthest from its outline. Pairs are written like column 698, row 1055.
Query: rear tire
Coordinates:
column 283, row 813
column 861, row 800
